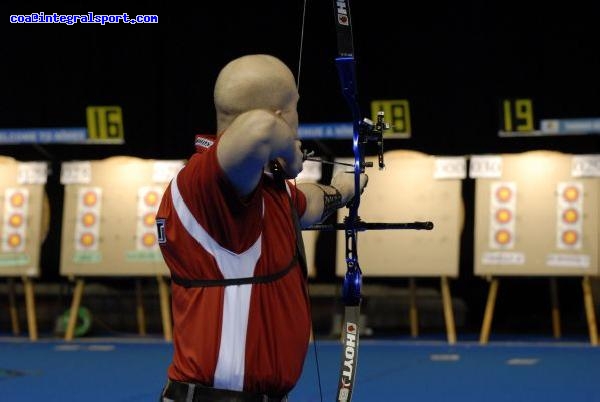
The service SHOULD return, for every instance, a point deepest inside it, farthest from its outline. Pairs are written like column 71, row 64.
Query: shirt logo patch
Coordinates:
column 160, row 227
column 203, row 142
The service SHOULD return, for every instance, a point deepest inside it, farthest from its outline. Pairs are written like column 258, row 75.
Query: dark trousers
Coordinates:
column 176, row 391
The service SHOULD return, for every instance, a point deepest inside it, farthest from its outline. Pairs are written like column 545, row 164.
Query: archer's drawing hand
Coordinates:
column 292, row 165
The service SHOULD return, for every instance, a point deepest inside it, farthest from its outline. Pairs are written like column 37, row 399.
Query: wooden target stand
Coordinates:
column 164, row 299
column 29, row 307
column 446, row 304
column 413, row 310
column 588, row 302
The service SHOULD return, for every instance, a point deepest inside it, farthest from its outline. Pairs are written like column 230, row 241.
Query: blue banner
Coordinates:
column 76, row 135
column 79, row 135
column 62, row 135
column 578, row 126
column 324, row 131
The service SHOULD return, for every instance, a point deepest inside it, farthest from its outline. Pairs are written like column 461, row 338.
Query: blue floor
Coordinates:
column 133, row 369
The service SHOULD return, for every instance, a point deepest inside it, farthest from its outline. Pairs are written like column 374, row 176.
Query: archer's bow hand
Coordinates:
column 344, row 183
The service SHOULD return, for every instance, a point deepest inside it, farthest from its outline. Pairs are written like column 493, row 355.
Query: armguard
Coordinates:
column 331, row 202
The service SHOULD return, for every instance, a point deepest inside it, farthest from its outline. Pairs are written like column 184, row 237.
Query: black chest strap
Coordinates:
column 299, row 257
column 203, row 283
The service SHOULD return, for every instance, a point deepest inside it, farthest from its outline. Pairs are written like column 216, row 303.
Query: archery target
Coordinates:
column 569, row 215
column 412, row 187
column 109, row 216
column 536, row 215
column 24, row 215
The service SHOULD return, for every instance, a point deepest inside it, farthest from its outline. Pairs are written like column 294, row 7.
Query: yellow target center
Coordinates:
column 503, row 194
column 88, row 219
column 90, row 198
column 15, row 220
column 87, row 239
column 570, row 215
column 503, row 215
column 14, row 240
column 503, row 237
column 151, row 198
column 149, row 239
column 571, row 194
column 17, row 200
column 570, row 237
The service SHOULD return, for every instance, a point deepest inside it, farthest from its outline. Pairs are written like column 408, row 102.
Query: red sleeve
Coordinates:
column 298, row 199
column 234, row 222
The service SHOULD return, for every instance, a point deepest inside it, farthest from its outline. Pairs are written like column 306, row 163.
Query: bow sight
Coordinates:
column 373, row 132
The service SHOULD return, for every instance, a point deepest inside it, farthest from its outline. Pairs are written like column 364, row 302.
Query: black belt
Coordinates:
column 189, row 392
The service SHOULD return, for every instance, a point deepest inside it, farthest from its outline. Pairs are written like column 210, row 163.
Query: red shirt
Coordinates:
column 252, row 337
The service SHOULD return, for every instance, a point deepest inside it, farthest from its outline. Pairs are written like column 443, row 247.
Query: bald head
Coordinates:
column 253, row 82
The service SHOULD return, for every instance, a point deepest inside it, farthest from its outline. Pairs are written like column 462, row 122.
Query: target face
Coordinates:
column 148, row 202
column 87, row 226
column 569, row 214
column 14, row 225
column 503, row 206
